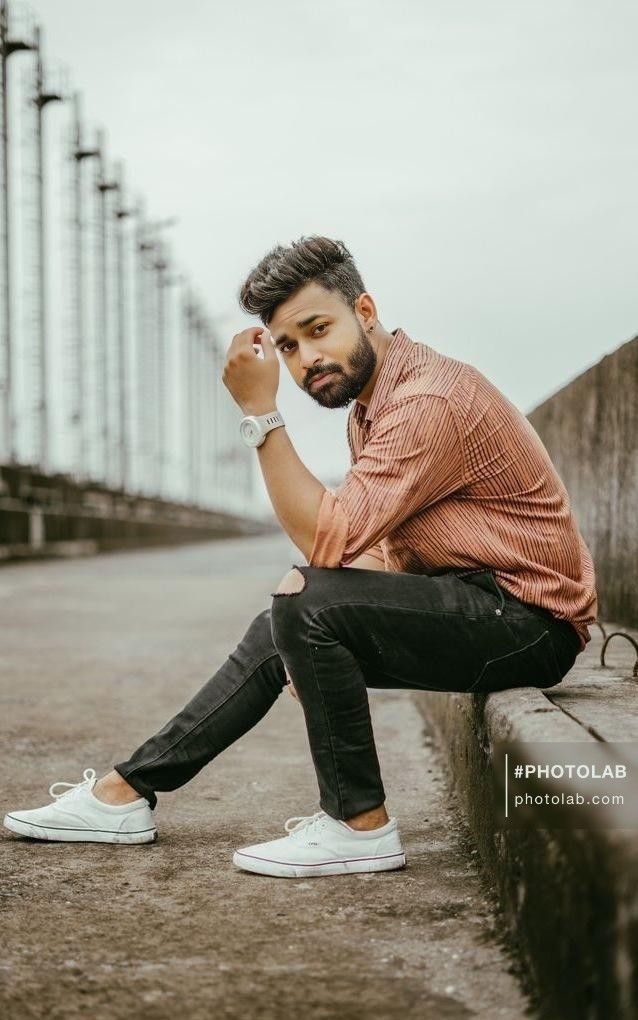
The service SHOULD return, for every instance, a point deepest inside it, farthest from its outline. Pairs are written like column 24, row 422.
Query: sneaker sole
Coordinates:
column 282, row 869
column 43, row 833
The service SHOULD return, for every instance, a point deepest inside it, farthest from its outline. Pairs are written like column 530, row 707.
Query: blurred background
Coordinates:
column 479, row 160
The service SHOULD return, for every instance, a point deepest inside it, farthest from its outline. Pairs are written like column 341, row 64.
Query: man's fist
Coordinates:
column 252, row 381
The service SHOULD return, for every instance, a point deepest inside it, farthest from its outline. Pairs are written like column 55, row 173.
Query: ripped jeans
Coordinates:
column 349, row 629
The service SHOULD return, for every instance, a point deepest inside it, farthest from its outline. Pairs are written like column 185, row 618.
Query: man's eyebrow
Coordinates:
column 300, row 325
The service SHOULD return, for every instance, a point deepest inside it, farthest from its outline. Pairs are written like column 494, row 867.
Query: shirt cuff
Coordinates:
column 331, row 533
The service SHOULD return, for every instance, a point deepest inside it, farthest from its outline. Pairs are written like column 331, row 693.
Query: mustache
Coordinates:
column 321, row 371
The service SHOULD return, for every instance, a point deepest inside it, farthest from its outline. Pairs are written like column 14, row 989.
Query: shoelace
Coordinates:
column 303, row 822
column 89, row 776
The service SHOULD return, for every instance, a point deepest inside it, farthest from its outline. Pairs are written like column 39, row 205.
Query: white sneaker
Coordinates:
column 77, row 816
column 321, row 845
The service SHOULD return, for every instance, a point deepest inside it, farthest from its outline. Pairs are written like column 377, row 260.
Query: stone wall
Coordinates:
column 590, row 429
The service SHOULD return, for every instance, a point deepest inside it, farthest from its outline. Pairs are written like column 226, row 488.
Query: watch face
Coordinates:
column 250, row 432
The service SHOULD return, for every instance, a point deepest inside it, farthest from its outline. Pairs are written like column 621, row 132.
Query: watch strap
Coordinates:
column 270, row 420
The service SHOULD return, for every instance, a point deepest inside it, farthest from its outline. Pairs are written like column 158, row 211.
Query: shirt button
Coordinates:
column 499, row 612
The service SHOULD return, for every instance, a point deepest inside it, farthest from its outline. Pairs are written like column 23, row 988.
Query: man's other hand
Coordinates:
column 362, row 562
column 291, row 687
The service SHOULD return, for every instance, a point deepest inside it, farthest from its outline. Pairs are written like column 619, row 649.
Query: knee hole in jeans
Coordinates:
column 292, row 583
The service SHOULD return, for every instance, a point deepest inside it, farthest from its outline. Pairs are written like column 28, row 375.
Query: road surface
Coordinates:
column 96, row 654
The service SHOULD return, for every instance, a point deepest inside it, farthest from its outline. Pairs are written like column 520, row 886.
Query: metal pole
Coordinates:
column 207, row 416
column 160, row 266
column 171, row 378
column 7, row 409
column 212, row 398
column 141, row 311
column 102, row 310
column 7, row 47
column 199, row 410
column 191, row 377
column 79, row 416
column 151, row 299
column 148, row 357
column 42, row 99
column 222, row 448
column 122, row 334
column 103, row 306
column 5, row 380
column 214, row 438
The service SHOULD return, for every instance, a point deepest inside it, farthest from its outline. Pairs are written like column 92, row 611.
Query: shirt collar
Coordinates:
column 387, row 380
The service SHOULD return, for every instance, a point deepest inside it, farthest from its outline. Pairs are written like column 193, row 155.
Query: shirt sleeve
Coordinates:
column 412, row 458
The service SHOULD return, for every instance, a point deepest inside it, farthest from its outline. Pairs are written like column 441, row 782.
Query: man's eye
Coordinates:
column 288, row 345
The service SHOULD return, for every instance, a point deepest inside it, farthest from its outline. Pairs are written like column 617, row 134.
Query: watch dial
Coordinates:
column 249, row 433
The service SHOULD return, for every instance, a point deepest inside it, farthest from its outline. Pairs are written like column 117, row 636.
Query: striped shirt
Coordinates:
column 446, row 474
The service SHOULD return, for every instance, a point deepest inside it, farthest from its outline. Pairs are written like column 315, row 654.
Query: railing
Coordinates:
column 110, row 365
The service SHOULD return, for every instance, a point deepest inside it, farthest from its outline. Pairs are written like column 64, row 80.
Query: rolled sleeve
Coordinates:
column 331, row 533
column 413, row 457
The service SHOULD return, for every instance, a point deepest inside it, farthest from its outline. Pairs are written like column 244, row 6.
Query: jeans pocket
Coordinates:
column 485, row 579
column 533, row 664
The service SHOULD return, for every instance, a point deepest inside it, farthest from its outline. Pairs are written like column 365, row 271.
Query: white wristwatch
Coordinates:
column 254, row 428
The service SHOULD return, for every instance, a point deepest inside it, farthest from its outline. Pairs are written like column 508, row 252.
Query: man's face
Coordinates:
column 317, row 333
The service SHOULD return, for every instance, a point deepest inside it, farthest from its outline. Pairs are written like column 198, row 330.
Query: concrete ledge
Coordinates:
column 48, row 550
column 57, row 515
column 570, row 897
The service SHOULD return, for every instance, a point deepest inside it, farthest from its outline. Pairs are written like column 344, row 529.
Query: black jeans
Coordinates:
column 349, row 629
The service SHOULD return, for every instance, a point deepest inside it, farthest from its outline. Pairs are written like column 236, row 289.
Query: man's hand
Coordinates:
column 291, row 687
column 252, row 381
column 362, row 562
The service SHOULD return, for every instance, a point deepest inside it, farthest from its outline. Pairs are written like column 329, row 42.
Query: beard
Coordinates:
column 346, row 385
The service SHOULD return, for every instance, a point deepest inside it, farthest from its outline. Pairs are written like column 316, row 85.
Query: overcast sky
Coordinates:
column 478, row 157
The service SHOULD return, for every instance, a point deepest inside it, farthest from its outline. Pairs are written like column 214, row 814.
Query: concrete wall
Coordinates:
column 590, row 429
column 42, row 515
column 569, row 896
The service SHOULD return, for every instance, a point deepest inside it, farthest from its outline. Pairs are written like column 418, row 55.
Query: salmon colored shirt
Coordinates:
column 446, row 474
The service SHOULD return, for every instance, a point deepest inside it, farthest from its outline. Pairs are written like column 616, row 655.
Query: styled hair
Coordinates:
column 285, row 270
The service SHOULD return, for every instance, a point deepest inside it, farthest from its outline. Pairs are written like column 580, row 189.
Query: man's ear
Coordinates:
column 366, row 308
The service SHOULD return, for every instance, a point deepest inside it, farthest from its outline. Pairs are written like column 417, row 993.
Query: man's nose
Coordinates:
column 309, row 355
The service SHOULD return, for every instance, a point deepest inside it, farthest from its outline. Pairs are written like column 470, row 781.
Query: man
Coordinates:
column 470, row 572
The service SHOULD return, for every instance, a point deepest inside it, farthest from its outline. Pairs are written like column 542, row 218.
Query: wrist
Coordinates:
column 256, row 409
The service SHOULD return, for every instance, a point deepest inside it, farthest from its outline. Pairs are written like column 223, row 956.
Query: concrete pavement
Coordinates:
column 96, row 654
